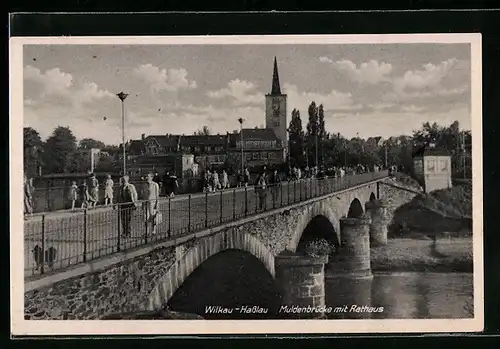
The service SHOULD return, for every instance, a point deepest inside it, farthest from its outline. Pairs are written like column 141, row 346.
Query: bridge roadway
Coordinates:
column 83, row 235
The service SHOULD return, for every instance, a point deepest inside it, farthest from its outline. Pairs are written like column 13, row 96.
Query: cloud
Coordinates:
column 429, row 76
column 334, row 100
column 54, row 98
column 56, row 86
column 240, row 92
column 163, row 79
column 371, row 72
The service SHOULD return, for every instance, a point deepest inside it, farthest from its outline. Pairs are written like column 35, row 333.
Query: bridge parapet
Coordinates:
column 59, row 240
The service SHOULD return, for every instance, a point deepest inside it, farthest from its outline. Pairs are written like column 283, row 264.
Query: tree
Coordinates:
column 33, row 150
column 204, row 131
column 296, row 139
column 59, row 151
column 89, row 143
column 106, row 164
column 312, row 134
column 321, row 131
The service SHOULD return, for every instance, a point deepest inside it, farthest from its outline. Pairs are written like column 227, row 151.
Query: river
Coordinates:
column 403, row 296
column 232, row 279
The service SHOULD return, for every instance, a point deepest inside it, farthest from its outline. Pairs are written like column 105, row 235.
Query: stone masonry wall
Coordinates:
column 121, row 288
column 395, row 197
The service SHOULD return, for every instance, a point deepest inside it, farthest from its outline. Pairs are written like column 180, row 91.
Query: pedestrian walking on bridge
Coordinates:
column 152, row 203
column 127, row 200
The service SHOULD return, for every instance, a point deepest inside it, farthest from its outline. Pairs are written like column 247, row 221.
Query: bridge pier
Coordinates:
column 352, row 261
column 302, row 280
column 378, row 226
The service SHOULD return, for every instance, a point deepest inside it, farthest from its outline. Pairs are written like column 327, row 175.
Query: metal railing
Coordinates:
column 58, row 240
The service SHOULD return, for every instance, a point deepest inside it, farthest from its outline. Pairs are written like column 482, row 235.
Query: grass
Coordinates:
column 441, row 210
column 419, row 255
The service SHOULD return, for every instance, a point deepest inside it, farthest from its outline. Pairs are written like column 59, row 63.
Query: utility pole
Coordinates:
column 240, row 120
column 385, row 150
column 122, row 97
column 463, row 152
column 316, row 149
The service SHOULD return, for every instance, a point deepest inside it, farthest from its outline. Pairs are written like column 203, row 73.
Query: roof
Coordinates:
column 166, row 141
column 426, row 150
column 204, row 140
column 262, row 134
column 135, row 146
column 276, row 89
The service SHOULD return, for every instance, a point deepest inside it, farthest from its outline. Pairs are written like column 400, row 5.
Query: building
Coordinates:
column 432, row 168
column 276, row 108
column 261, row 147
column 92, row 157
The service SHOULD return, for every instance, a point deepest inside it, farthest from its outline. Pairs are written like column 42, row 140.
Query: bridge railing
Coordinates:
column 59, row 240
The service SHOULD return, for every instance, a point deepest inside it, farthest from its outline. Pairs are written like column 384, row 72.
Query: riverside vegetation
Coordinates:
column 431, row 233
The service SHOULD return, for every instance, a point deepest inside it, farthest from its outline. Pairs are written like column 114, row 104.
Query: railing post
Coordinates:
column 189, row 213
column 206, row 209
column 221, row 200
column 147, row 203
column 246, row 201
column 378, row 190
column 281, row 190
column 84, row 235
column 43, row 245
column 294, row 191
column 169, row 232
column 234, row 204
column 118, row 215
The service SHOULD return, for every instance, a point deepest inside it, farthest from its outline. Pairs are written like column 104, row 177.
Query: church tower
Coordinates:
column 276, row 108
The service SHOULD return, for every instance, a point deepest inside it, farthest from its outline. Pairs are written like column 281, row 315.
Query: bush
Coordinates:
column 320, row 247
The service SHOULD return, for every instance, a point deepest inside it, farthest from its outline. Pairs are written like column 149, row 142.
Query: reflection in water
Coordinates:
column 403, row 296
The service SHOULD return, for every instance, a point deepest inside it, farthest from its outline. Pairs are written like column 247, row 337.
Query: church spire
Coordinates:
column 276, row 90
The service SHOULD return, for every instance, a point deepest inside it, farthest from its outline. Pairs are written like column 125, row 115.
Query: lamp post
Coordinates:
column 122, row 95
column 240, row 120
column 289, row 149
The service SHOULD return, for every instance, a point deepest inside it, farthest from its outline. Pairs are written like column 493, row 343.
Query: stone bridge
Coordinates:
column 149, row 277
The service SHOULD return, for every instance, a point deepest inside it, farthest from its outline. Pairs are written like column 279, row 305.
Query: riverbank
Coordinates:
column 423, row 255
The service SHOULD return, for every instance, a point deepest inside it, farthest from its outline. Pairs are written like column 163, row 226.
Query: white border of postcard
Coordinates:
column 19, row 326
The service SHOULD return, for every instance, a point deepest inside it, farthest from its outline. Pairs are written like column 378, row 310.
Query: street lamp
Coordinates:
column 240, row 120
column 289, row 148
column 122, row 95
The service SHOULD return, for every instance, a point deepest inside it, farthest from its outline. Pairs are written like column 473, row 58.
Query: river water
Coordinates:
column 232, row 279
column 402, row 296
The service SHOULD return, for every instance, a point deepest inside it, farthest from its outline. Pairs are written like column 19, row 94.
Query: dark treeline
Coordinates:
column 61, row 153
column 312, row 145
column 309, row 145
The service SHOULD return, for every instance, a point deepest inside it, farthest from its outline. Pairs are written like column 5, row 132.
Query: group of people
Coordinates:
column 88, row 192
column 212, row 181
column 128, row 200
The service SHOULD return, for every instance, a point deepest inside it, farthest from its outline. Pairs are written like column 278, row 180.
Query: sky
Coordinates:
column 366, row 89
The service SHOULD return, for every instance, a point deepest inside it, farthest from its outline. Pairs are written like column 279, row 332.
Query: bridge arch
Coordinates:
column 234, row 239
column 317, row 213
column 355, row 209
column 372, row 197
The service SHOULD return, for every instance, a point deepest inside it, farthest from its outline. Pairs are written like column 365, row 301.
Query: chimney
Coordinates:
column 143, row 136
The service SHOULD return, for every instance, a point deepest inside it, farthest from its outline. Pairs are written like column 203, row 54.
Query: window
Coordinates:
column 197, row 149
column 264, row 155
column 208, row 149
column 255, row 156
column 272, row 156
column 248, row 156
column 430, row 165
column 218, row 149
column 444, row 165
column 419, row 166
